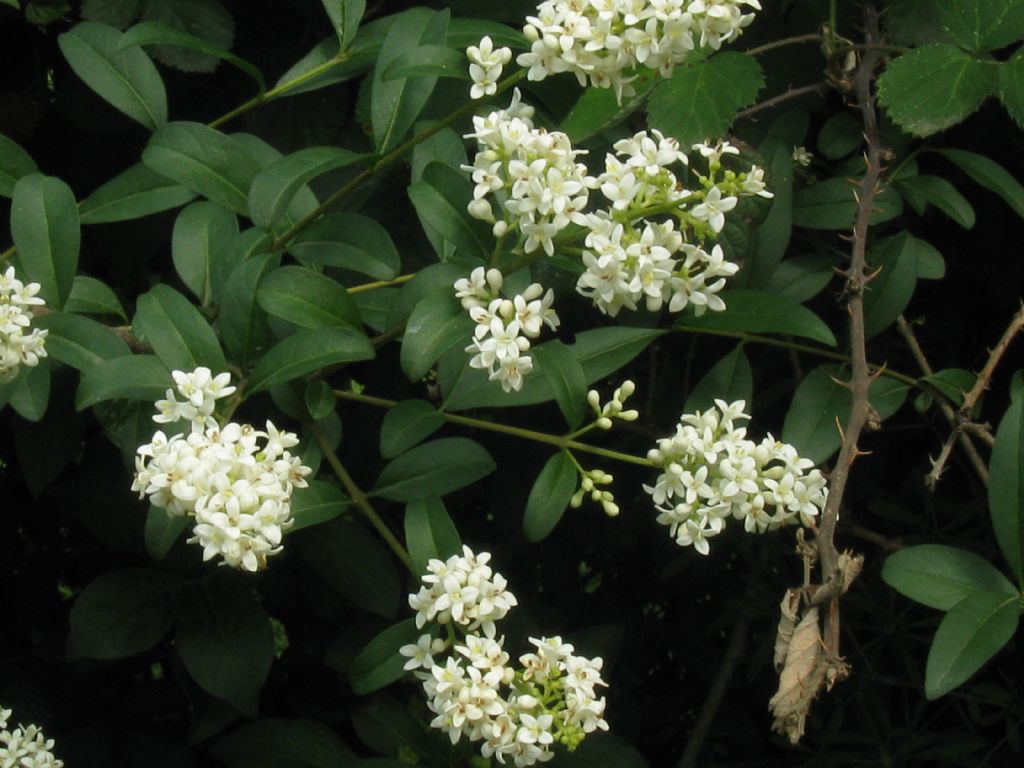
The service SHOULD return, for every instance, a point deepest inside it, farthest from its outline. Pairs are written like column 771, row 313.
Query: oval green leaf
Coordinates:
column 434, row 469
column 349, row 241
column 380, row 663
column 306, row 351
column 276, row 185
column 138, row 377
column 47, row 234
column 180, row 336
column 406, row 425
column 429, row 533
column 1006, row 488
column 748, row 311
column 307, row 299
column 940, row 577
column 549, row 496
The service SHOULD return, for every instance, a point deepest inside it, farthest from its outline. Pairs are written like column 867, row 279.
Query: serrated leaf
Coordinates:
column 434, row 469
column 940, row 577
column 565, row 376
column 203, row 233
column 349, row 241
column 276, row 185
column 138, row 377
column 318, row 503
column 132, row 194
column 307, row 299
column 440, row 198
column 748, row 311
column 127, row 80
column 429, row 532
column 989, row 174
column 15, row 162
column 123, row 613
column 890, row 291
column 278, row 743
column 549, row 496
column 345, row 16
column 1011, row 86
column 700, row 101
column 1006, row 488
column 116, row 13
column 380, row 663
column 46, row 232
column 80, row 342
column 730, row 379
column 933, row 87
column 226, row 641
column 208, row 19
column 941, row 194
column 408, row 424
column 971, row 633
column 982, row 25
column 306, row 351
column 821, row 401
column 179, row 335
column 205, row 161
column 437, row 324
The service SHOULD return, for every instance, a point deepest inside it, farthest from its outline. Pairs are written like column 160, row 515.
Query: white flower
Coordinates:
column 201, row 390
column 714, row 208
column 802, row 157
column 486, row 63
column 18, row 345
column 25, row 746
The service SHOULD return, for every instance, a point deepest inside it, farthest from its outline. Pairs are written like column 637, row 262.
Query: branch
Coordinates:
column 774, row 101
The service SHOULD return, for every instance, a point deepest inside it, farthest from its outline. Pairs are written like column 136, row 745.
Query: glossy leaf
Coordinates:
column 549, row 496
column 441, row 197
column 840, row 135
column 320, row 400
column 930, row 264
column 203, row 234
column 598, row 110
column 759, row 312
column 242, row 322
column 349, row 241
column 801, row 278
column 952, row 382
column 31, row 393
column 1011, row 86
column 345, row 16
column 180, row 336
column 132, row 194
column 437, row 324
column 429, row 533
column 982, row 25
column 307, row 351
column 890, row 291
column 318, row 503
column 163, row 531
column 831, row 204
column 126, row 79
column 379, row 663
column 940, row 577
column 564, row 374
column 433, row 60
column 15, row 162
column 90, row 296
column 80, row 342
column 138, row 377
column 970, row 634
column 408, row 424
column 207, row 19
column 989, row 174
column 1006, row 488
column 46, row 232
column 276, row 185
column 434, row 469
column 941, row 194
column 307, row 298
column 730, row 379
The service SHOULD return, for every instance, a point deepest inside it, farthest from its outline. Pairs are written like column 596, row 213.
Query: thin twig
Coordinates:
column 812, row 37
column 774, row 101
column 889, row 545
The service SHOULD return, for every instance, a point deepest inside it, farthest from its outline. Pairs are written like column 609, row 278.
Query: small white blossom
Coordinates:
column 802, row 157
column 25, row 746
column 486, row 63
column 18, row 345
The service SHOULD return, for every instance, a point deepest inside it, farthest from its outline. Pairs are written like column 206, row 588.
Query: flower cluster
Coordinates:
column 235, row 480
column 25, row 746
column 711, row 471
column 530, row 172
column 516, row 713
column 485, row 65
column 17, row 346
column 606, row 42
column 504, row 326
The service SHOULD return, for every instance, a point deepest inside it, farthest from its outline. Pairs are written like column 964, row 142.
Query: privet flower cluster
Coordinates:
column 711, row 472
column 517, row 713
column 25, row 746
column 235, row 480
column 18, row 345
column 504, row 326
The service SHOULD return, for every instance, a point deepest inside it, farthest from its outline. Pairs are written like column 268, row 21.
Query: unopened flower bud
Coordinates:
column 604, row 423
column 481, row 209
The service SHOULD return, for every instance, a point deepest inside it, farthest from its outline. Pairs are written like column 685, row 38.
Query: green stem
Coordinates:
column 562, row 442
column 380, row 284
column 7, row 254
column 359, row 498
column 386, row 160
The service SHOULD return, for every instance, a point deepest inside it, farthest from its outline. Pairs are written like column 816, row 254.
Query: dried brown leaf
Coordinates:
column 787, row 623
column 801, row 678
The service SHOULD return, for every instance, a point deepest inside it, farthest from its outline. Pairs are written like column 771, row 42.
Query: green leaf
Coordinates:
column 434, row 469
column 700, row 101
column 952, row 382
column 730, row 379
column 278, row 743
column 308, row 299
column 155, row 33
column 116, row 13
column 306, row 351
column 80, row 342
column 930, row 264
column 349, row 241
column 242, row 322
column 202, row 235
column 1006, row 488
column 597, row 109
column 890, row 291
column 433, row 60
column 380, row 663
column 941, row 194
column 208, row 19
column 1011, row 86
column 132, row 194
column 127, row 80
column 565, row 376
column 989, row 174
column 771, row 238
column 345, row 16
column 395, row 104
column 15, row 162
column 31, row 392
column 205, row 161
column 437, row 324
column 46, row 232
column 440, row 198
column 933, row 87
column 320, row 400
column 163, row 531
column 276, row 185
column 139, row 377
column 318, row 503
column 940, row 576
column 820, row 401
column 971, row 633
column 90, row 296
column 123, row 613
column 351, row 559
column 749, row 311
column 429, row 532
column 840, row 135
column 226, row 641
column 407, row 424
column 831, row 204
column 982, row 25
column 12, row 3
column 801, row 278
column 179, row 335
column 550, row 496
column 601, row 352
